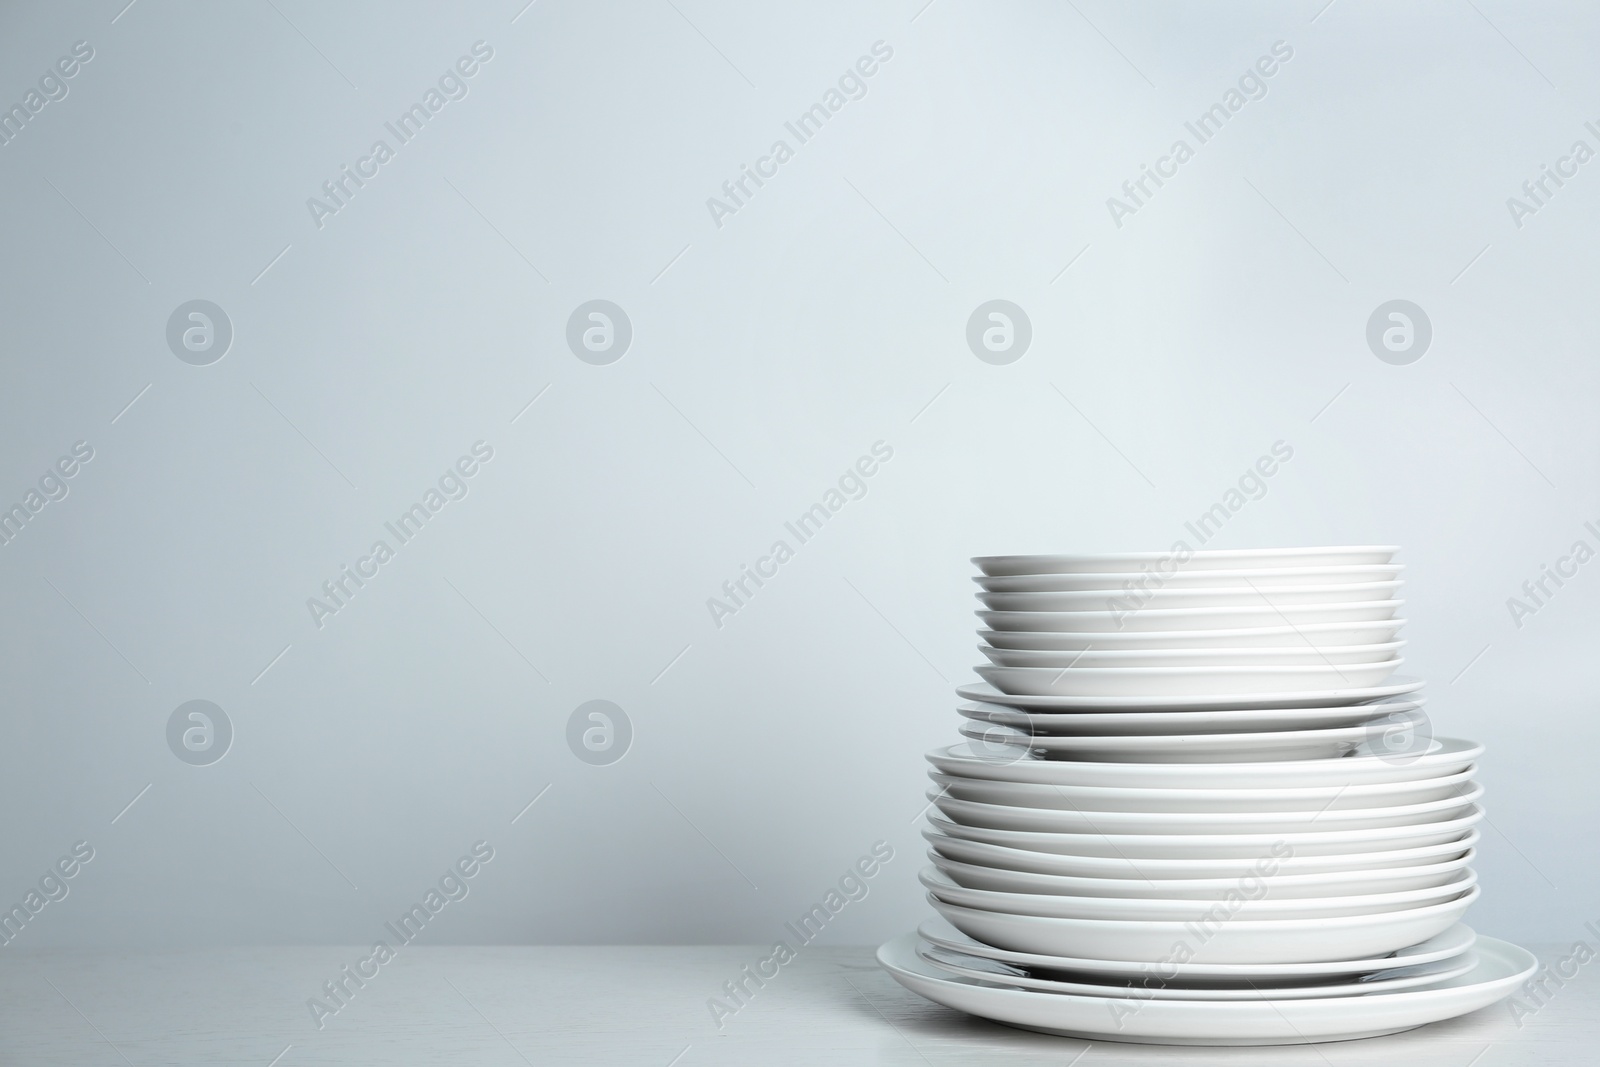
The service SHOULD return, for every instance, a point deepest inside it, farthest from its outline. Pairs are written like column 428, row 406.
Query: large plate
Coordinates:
column 1185, row 682
column 1177, row 748
column 1308, row 698
column 1501, row 968
column 1233, row 720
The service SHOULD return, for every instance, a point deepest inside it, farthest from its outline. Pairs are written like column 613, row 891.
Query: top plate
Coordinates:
column 1171, row 562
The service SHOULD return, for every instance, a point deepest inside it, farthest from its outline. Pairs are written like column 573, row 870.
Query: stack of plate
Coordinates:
column 1197, row 806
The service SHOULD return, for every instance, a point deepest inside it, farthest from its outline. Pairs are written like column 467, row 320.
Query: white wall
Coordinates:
column 768, row 354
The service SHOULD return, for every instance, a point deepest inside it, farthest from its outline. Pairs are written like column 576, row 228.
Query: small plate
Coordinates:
column 1184, row 682
column 1281, row 656
column 1161, row 599
column 1274, row 745
column 1198, row 619
column 1501, row 968
column 1131, row 581
column 1236, row 720
column 1203, row 560
column 1450, row 944
column 1276, row 634
column 1310, row 698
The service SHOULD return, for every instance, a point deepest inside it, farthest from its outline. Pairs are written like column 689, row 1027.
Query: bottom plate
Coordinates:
column 1501, row 967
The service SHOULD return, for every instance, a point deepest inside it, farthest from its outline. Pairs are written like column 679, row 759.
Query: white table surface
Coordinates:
column 621, row 1006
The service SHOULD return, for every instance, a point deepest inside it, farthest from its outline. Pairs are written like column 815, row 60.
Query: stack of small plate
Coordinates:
column 1197, row 806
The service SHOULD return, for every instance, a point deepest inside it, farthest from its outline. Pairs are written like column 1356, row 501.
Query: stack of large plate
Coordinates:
column 1197, row 806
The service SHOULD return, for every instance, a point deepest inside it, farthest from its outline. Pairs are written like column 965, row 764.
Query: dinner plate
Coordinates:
column 1389, row 981
column 1008, row 857
column 1160, row 599
column 1242, row 905
column 1104, row 798
column 1306, row 635
column 1188, row 560
column 1281, row 656
column 1441, row 756
column 1229, row 846
column 1448, row 945
column 1305, row 698
column 1281, row 886
column 1143, row 682
column 1328, row 743
column 1200, row 619
column 1235, row 720
column 1218, row 940
column 1068, row 821
column 1501, row 968
column 1132, row 582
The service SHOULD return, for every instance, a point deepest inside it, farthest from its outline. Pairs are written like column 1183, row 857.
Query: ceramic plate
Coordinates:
column 1239, row 720
column 1132, row 581
column 1310, row 698
column 1178, row 748
column 1200, row 619
column 1102, row 798
column 1157, row 599
column 1213, row 846
column 1067, row 821
column 1169, row 562
column 1183, row 682
column 1219, row 940
column 1501, row 968
column 1181, row 909
column 1426, row 974
column 1274, row 635
column 1281, row 656
column 1441, row 756
column 988, row 854
column 1280, row 886
column 1448, row 945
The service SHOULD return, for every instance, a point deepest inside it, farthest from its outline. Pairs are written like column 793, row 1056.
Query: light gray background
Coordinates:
column 768, row 354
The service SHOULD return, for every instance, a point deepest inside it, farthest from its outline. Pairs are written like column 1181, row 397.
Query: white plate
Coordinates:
column 1281, row 886
column 1221, row 940
column 1214, row 846
column 1068, row 821
column 1131, row 581
column 989, row 854
column 1389, row 981
column 1197, row 619
column 1185, row 682
column 1180, row 909
column 1281, row 656
column 1298, row 636
column 1311, row 698
column 1449, row 945
column 1275, row 745
column 1208, row 559
column 1501, row 968
column 1102, row 798
column 1444, row 755
column 1164, row 599
column 1238, row 720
